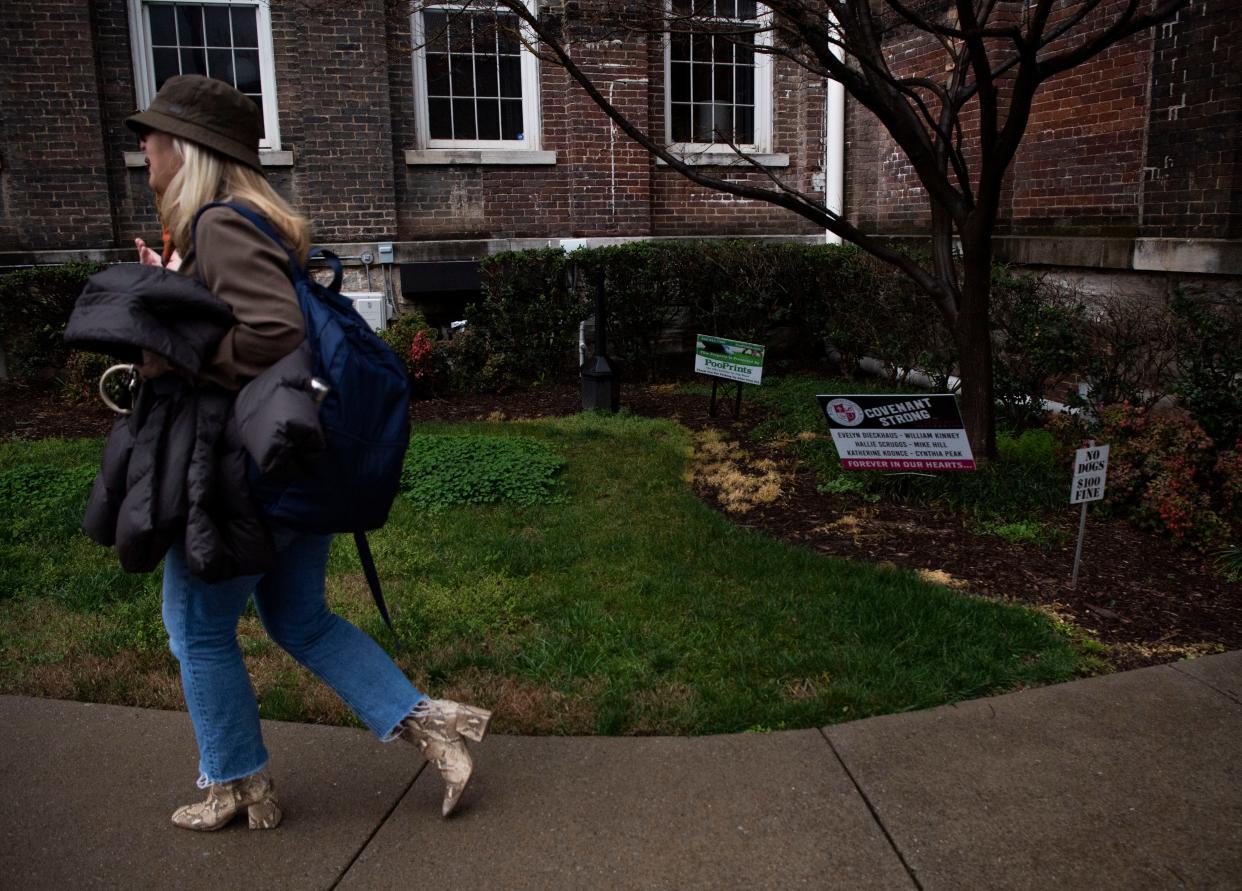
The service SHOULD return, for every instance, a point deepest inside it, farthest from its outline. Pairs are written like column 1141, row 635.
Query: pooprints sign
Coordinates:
column 898, row 432
column 735, row 360
column 1090, row 474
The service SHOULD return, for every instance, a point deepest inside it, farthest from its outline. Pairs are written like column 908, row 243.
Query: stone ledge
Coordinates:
column 266, row 158
column 718, row 158
column 1200, row 256
column 427, row 157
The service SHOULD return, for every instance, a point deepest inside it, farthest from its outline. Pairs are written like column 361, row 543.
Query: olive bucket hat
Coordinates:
column 206, row 111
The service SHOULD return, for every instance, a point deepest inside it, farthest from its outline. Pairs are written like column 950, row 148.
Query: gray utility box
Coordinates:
column 372, row 306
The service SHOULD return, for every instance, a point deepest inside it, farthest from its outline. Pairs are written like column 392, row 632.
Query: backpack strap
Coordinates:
column 368, row 569
column 260, row 222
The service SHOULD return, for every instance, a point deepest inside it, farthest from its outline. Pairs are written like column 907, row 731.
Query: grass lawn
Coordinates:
column 602, row 598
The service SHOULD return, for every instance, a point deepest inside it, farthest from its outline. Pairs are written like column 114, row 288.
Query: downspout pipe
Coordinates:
column 834, row 147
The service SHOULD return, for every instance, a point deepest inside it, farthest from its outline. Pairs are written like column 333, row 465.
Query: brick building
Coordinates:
column 470, row 145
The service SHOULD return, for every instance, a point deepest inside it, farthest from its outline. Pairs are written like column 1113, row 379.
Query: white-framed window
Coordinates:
column 718, row 87
column 230, row 40
column 476, row 86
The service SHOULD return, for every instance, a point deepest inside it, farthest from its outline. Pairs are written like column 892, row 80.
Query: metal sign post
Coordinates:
column 1090, row 475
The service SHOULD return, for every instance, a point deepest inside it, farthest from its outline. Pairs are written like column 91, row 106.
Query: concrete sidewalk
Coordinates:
column 1126, row 781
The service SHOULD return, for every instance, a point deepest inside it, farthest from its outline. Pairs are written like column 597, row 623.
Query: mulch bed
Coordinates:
column 1147, row 600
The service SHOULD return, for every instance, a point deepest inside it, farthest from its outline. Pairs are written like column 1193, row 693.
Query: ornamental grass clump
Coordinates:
column 739, row 482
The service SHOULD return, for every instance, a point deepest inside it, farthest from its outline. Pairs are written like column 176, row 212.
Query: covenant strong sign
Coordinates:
column 898, row 432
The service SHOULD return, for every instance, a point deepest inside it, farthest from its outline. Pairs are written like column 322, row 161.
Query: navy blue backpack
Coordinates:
column 364, row 414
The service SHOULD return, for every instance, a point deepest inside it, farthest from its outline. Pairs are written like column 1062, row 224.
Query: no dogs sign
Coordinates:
column 1090, row 474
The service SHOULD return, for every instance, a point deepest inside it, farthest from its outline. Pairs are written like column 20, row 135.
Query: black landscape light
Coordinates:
column 600, row 386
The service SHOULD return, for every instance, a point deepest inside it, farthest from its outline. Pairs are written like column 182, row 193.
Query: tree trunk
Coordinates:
column 974, row 345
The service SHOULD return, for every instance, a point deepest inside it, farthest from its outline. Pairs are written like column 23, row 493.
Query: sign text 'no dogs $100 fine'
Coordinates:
column 898, row 432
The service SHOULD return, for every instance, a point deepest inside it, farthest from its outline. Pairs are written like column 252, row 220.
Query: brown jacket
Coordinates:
column 249, row 272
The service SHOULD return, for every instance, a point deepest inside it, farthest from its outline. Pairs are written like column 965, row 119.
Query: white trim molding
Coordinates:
column 428, row 157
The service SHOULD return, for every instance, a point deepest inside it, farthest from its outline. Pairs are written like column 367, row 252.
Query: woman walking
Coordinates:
column 201, row 141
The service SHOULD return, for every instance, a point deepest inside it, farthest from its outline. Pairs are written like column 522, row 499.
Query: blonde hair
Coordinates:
column 205, row 176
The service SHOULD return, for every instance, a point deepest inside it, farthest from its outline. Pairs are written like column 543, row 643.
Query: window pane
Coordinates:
column 681, row 7
column 703, row 124
column 459, row 38
column 217, row 21
column 746, row 49
column 722, row 49
column 193, row 61
column 511, row 77
column 489, row 118
column 701, row 47
column 724, row 83
column 463, row 119
column 247, row 71
column 189, row 26
column 679, row 46
column 167, row 65
column 746, row 9
column 681, row 123
column 441, row 118
column 435, row 36
column 163, row 26
column 462, row 72
column 745, row 86
column 509, row 43
column 245, row 27
column 511, row 126
column 726, row 9
column 679, row 87
column 485, row 78
column 220, row 65
column 702, row 83
column 437, row 75
column 722, row 122
column 744, row 122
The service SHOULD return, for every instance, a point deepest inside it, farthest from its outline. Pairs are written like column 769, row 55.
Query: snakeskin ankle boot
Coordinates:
column 255, row 794
column 437, row 727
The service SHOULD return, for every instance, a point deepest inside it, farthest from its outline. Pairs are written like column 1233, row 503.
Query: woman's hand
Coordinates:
column 149, row 257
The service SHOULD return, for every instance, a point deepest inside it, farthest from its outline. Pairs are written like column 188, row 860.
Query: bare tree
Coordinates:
column 960, row 125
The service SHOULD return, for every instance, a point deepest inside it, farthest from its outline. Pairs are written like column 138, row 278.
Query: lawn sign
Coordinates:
column 734, row 360
column 898, row 432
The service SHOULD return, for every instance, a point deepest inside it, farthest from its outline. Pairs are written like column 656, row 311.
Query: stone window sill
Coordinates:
column 424, row 157
column 266, row 158
column 722, row 158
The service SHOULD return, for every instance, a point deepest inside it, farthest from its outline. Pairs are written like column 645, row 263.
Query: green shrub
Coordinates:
column 527, row 322
column 1039, row 328
column 34, row 309
column 415, row 343
column 442, row 471
column 1131, row 352
column 1164, row 473
column 1209, row 364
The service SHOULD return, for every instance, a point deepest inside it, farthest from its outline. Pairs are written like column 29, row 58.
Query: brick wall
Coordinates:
column 1193, row 170
column 53, row 176
column 1144, row 139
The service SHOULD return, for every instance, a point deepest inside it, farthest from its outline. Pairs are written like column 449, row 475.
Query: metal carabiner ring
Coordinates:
column 131, row 385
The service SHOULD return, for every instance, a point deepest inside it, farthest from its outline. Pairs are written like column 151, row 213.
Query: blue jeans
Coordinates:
column 202, row 619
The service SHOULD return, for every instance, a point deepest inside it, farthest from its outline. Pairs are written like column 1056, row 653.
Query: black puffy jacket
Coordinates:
column 178, row 464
